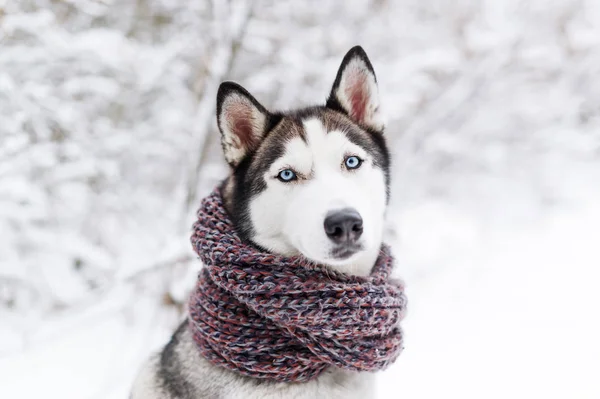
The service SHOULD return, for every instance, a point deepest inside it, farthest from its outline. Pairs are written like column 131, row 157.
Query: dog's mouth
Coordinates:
column 346, row 251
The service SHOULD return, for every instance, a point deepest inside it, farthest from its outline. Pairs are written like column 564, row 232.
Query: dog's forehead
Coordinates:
column 311, row 126
column 321, row 143
column 310, row 131
column 318, row 135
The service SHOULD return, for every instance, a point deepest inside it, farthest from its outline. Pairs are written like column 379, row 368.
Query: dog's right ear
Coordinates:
column 242, row 121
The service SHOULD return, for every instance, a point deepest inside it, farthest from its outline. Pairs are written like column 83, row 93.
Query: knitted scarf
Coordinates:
column 285, row 318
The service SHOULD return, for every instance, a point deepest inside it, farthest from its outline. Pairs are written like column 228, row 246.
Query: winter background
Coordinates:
column 108, row 141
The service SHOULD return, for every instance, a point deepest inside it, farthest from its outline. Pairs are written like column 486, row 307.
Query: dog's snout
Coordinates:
column 343, row 226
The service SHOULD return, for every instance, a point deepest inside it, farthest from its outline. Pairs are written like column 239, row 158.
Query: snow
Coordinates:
column 513, row 318
column 108, row 141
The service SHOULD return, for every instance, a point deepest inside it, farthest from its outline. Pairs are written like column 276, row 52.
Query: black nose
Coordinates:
column 343, row 226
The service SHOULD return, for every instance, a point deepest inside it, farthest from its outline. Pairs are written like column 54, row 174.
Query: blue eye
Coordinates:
column 287, row 175
column 353, row 162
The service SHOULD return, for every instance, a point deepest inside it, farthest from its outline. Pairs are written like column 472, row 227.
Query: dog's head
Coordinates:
column 312, row 181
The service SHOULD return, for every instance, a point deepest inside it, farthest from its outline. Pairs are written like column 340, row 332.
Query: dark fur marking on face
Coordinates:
column 373, row 142
column 248, row 179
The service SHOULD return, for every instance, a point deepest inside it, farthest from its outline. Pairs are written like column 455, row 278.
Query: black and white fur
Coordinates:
column 331, row 211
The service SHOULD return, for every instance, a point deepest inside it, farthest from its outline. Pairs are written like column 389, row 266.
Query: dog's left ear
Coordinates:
column 355, row 91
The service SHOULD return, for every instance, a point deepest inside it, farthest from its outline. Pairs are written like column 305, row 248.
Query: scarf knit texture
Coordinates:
column 285, row 318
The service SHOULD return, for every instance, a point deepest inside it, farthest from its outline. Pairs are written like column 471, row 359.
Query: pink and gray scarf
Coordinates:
column 285, row 318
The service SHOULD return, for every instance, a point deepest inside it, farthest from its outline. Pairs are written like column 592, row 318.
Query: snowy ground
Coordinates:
column 107, row 142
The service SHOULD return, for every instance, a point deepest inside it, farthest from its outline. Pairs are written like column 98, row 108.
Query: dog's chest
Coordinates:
column 333, row 383
column 179, row 372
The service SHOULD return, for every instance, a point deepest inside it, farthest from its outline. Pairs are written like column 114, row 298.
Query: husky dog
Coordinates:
column 311, row 182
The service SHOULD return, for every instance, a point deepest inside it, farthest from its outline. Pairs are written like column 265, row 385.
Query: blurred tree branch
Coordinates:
column 227, row 45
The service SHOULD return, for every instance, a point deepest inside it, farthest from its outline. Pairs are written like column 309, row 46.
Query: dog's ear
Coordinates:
column 242, row 121
column 355, row 91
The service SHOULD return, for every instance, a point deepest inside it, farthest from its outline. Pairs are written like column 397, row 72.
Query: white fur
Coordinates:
column 288, row 217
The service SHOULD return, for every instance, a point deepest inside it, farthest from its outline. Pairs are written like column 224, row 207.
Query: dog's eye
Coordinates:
column 353, row 162
column 287, row 175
